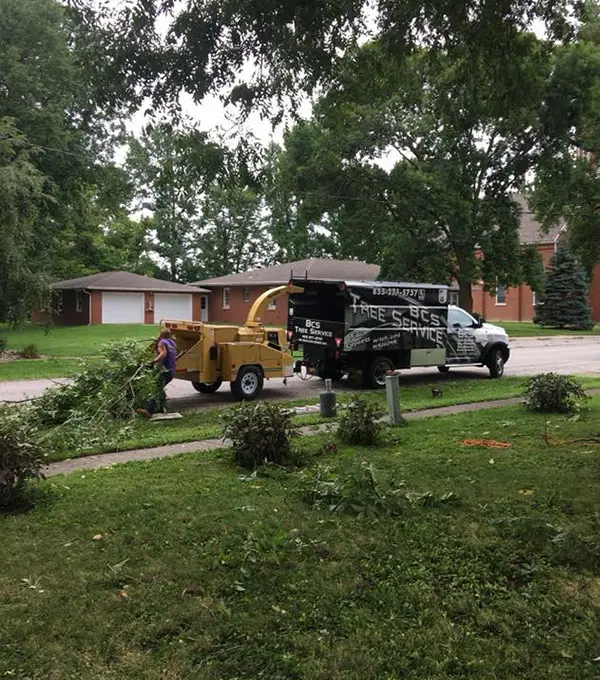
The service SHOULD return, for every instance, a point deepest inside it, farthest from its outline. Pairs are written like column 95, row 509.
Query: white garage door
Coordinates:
column 122, row 308
column 172, row 306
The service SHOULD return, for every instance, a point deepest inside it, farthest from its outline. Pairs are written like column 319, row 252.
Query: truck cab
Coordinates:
column 471, row 341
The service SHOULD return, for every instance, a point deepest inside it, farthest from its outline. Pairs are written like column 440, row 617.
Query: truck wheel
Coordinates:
column 248, row 384
column 443, row 369
column 207, row 388
column 495, row 363
column 375, row 375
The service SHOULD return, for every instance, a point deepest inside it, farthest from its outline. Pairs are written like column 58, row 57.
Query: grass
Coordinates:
column 527, row 330
column 198, row 571
column 73, row 341
column 205, row 424
column 35, row 369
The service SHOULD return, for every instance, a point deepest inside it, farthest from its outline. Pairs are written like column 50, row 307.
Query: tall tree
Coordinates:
column 171, row 168
column 567, row 181
column 21, row 194
column 463, row 142
column 288, row 214
column 230, row 234
column 47, row 98
column 295, row 44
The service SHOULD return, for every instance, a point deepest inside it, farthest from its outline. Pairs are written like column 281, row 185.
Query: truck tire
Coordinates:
column 248, row 384
column 207, row 388
column 495, row 363
column 443, row 369
column 375, row 373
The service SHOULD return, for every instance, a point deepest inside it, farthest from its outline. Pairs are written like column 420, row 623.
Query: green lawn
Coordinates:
column 524, row 330
column 205, row 424
column 73, row 341
column 185, row 568
column 35, row 369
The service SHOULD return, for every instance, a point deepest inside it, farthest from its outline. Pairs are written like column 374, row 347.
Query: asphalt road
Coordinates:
column 578, row 356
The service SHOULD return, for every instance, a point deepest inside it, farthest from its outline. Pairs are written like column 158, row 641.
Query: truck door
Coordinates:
column 462, row 347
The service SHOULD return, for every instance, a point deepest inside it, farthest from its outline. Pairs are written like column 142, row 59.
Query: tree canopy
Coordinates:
column 257, row 53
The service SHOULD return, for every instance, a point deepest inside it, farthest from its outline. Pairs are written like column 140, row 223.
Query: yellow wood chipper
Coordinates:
column 209, row 354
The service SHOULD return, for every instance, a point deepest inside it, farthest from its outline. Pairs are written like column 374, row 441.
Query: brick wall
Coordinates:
column 238, row 308
column 519, row 300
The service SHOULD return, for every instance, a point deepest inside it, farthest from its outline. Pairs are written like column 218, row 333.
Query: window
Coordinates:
column 501, row 294
column 246, row 294
column 534, row 300
column 272, row 305
column 458, row 318
column 453, row 297
column 226, row 298
column 79, row 301
column 60, row 303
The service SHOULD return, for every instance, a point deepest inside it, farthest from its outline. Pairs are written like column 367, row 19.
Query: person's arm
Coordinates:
column 162, row 352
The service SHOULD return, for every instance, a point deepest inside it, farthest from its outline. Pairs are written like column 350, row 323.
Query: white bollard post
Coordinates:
column 392, row 390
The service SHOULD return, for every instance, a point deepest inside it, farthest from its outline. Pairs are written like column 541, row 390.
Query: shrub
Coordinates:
column 260, row 433
column 3, row 344
column 359, row 424
column 20, row 458
column 30, row 352
column 553, row 393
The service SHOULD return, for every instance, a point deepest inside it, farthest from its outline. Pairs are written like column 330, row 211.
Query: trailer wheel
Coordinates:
column 495, row 363
column 375, row 374
column 248, row 384
column 443, row 369
column 207, row 388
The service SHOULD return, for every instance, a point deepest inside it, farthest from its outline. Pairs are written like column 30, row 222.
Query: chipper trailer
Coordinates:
column 209, row 354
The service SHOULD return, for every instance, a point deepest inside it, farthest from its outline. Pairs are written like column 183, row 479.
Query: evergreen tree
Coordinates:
column 566, row 295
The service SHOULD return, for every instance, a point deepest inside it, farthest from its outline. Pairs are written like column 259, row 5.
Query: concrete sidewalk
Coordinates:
column 108, row 459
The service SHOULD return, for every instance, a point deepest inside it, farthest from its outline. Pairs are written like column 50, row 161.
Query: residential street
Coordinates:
column 528, row 356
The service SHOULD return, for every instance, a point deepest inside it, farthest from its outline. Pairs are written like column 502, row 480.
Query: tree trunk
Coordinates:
column 465, row 295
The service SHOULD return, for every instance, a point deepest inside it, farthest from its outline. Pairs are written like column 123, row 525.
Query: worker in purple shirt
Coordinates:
column 166, row 355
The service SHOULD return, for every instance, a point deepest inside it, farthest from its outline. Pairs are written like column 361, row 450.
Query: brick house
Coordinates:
column 122, row 297
column 231, row 296
column 518, row 303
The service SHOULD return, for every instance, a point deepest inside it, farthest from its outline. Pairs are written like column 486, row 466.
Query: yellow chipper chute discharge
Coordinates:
column 209, row 354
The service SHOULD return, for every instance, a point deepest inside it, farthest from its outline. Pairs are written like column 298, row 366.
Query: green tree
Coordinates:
column 567, row 183
column 288, row 214
column 296, row 44
column 565, row 302
column 48, row 101
column 171, row 168
column 463, row 142
column 230, row 232
column 21, row 195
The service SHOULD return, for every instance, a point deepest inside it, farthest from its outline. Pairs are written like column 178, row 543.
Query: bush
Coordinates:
column 359, row 424
column 553, row 393
column 3, row 344
column 30, row 352
column 260, row 433
column 20, row 458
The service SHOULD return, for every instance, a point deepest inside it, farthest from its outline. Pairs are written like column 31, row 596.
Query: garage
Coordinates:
column 172, row 306
column 122, row 307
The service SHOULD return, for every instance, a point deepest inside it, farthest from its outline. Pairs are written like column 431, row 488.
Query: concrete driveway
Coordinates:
column 562, row 354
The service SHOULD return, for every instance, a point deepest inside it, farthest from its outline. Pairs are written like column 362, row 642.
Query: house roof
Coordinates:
column 530, row 230
column 126, row 281
column 320, row 269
